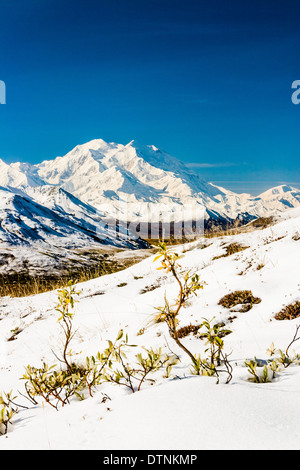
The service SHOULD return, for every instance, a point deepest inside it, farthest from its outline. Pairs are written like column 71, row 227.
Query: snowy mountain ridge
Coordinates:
column 41, row 234
column 76, row 201
column 131, row 179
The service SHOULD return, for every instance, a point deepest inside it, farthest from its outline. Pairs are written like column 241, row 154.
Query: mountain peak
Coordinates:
column 95, row 147
column 102, row 173
column 281, row 189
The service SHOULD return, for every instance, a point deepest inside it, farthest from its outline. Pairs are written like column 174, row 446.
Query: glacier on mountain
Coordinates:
column 107, row 194
column 131, row 179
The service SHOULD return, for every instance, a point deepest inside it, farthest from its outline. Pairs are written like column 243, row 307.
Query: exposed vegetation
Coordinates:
column 132, row 377
column 231, row 249
column 289, row 312
column 265, row 371
column 7, row 411
column 23, row 284
column 259, row 223
column 188, row 285
column 296, row 237
column 156, row 242
column 239, row 297
column 262, row 222
column 57, row 384
column 187, row 330
column 150, row 288
column 260, row 266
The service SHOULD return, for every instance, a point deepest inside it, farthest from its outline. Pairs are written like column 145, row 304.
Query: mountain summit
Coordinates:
column 104, row 194
column 128, row 181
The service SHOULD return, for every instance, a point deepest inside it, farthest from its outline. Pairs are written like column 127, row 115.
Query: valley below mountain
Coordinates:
column 76, row 211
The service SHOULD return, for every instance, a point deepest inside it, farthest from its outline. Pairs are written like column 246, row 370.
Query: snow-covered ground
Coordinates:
column 183, row 411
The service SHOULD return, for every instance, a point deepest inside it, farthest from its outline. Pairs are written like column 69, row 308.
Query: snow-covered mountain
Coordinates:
column 35, row 233
column 136, row 182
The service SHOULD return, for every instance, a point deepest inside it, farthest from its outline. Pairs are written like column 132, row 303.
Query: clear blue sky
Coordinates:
column 208, row 81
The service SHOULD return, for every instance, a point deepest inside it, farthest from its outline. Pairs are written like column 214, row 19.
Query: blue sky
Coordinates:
column 207, row 81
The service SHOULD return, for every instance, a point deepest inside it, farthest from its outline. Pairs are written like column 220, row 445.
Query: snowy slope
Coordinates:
column 183, row 412
column 18, row 175
column 39, row 233
column 134, row 180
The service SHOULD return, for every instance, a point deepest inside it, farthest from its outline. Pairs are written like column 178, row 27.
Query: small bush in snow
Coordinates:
column 54, row 386
column 258, row 373
column 57, row 385
column 210, row 366
column 265, row 371
column 65, row 308
column 121, row 372
column 7, row 411
column 188, row 285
